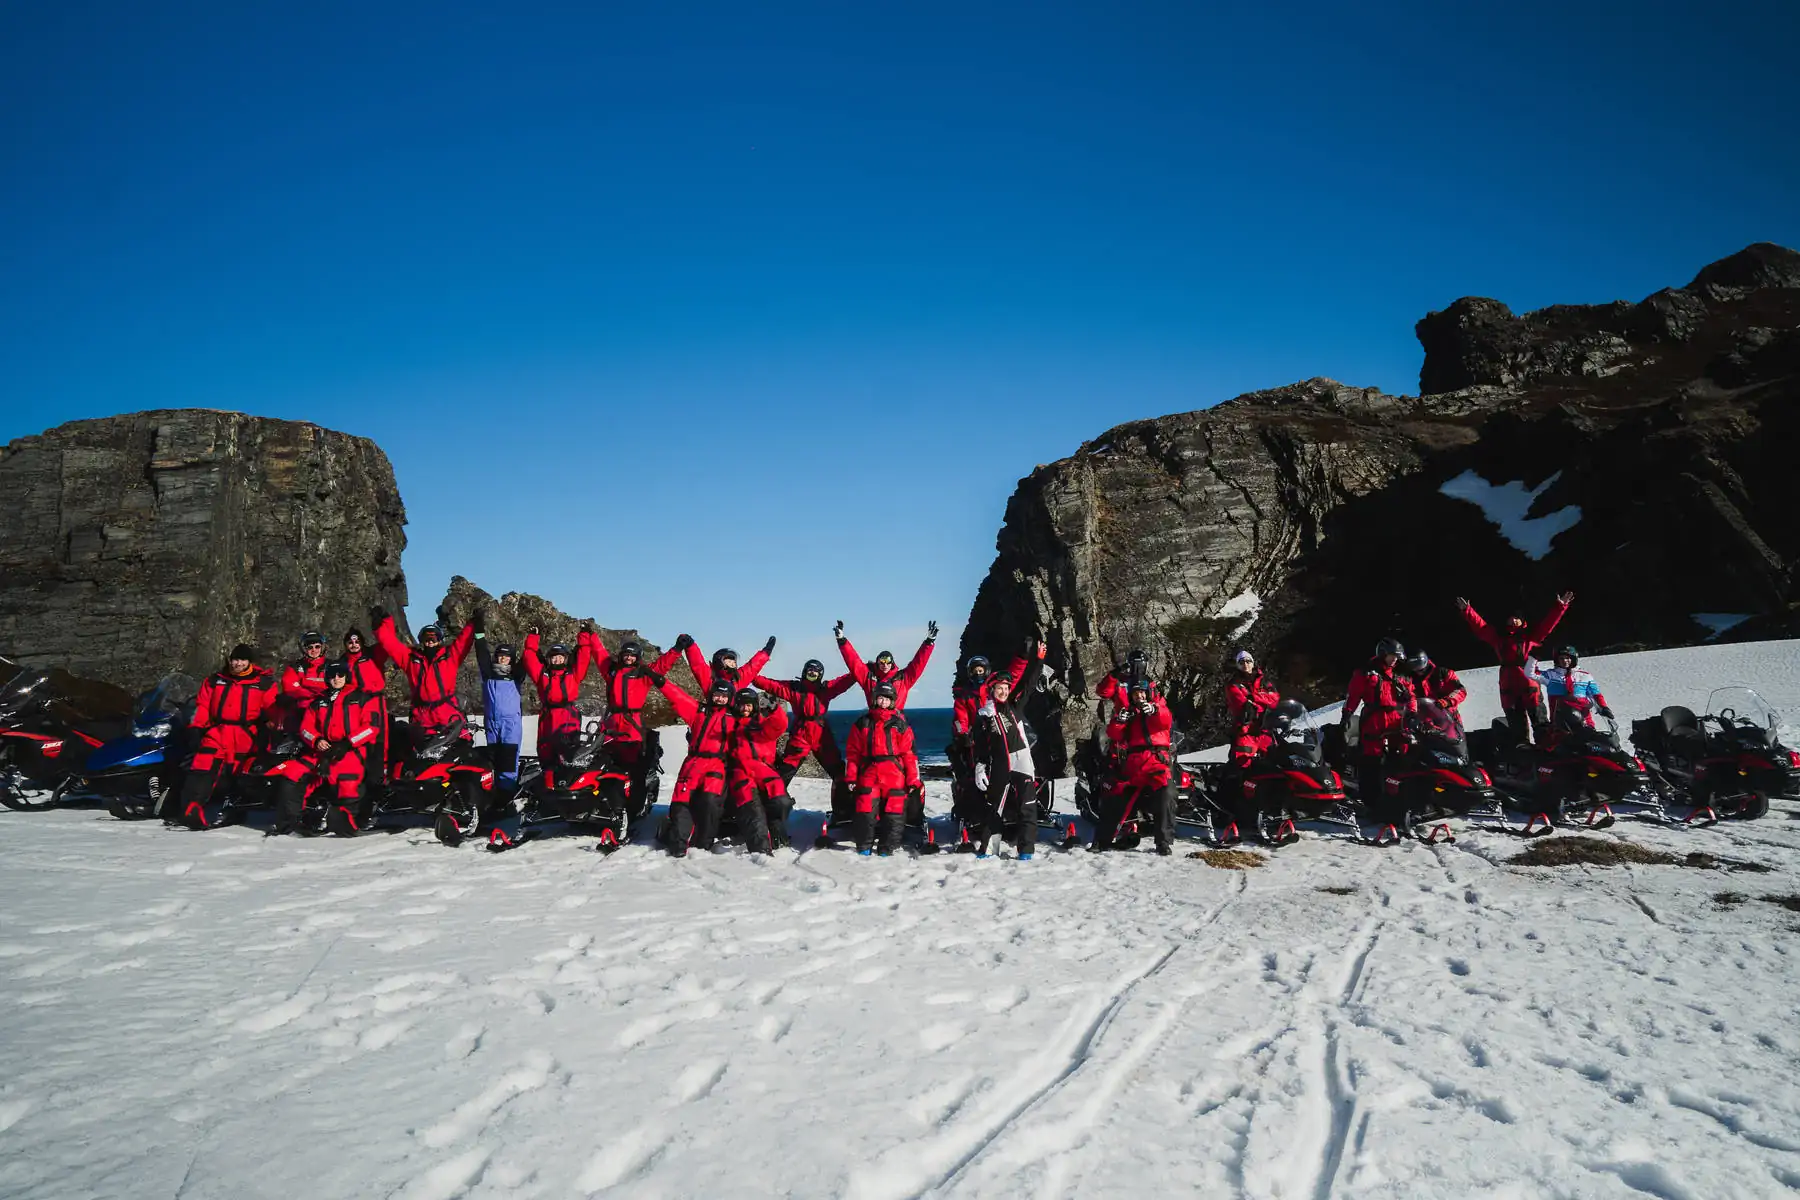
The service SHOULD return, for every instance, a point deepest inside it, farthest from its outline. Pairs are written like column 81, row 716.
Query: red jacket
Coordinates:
column 302, row 682
column 710, row 729
column 1514, row 648
column 430, row 673
column 739, row 678
column 1247, row 699
column 968, row 697
column 342, row 718
column 756, row 740
column 881, row 735
column 1388, row 696
column 1143, row 741
column 1442, row 685
column 227, row 699
column 558, row 687
column 626, row 690
column 367, row 673
column 810, row 700
column 903, row 679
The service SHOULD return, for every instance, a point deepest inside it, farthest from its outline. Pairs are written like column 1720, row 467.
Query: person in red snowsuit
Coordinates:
column 338, row 729
column 302, row 682
column 751, row 775
column 1247, row 697
column 628, row 682
column 1513, row 646
column 430, row 669
column 724, row 664
column 882, row 768
column 883, row 671
column 1385, row 694
column 700, row 788
column 1140, row 734
column 1436, row 683
column 230, row 707
column 811, row 696
column 368, row 675
column 558, row 683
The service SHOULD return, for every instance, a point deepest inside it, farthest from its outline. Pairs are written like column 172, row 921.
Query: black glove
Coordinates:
column 377, row 614
column 837, row 631
column 479, row 621
column 1606, row 712
column 658, row 680
column 931, row 631
column 769, row 646
column 683, row 642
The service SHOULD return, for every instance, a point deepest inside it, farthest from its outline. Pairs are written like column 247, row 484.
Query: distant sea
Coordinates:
column 931, row 729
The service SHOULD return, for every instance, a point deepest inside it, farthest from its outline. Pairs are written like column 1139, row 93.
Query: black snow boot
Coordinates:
column 893, row 831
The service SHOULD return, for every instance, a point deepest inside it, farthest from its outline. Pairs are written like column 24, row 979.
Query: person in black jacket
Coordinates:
column 1002, row 744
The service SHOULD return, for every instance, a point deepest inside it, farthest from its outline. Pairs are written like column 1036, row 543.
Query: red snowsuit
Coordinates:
column 1440, row 684
column 344, row 719
column 626, row 691
column 1246, row 699
column 302, row 682
column 879, row 763
column 710, row 746
column 430, row 673
column 558, row 688
column 967, row 697
column 1142, row 742
column 368, row 674
column 869, row 679
column 1513, row 648
column 812, row 733
column 227, row 713
column 1387, row 694
column 739, row 678
column 752, row 773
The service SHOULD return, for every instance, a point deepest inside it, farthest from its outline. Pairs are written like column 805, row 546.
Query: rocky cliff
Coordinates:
column 139, row 544
column 510, row 617
column 1646, row 450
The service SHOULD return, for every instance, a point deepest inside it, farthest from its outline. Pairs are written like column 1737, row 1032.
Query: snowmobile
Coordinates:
column 139, row 775
column 443, row 774
column 1288, row 783
column 1436, row 779
column 1576, row 770
column 40, row 749
column 582, row 789
column 1728, row 763
column 1097, row 766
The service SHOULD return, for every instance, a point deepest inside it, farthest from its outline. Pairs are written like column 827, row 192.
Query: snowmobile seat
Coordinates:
column 1677, row 719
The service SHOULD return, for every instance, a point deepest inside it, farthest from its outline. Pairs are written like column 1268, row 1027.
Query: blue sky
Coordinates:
column 736, row 319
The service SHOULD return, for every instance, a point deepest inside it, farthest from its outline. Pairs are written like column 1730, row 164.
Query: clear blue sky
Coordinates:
column 737, row 318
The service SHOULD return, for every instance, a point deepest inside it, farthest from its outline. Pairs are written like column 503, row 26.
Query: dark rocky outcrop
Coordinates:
column 510, row 617
column 140, row 544
column 1670, row 424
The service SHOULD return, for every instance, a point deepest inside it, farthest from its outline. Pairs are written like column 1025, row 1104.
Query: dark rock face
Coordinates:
column 1670, row 425
column 140, row 544
column 510, row 617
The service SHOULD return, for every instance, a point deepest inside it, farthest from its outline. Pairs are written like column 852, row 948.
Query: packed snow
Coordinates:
column 1245, row 607
column 1507, row 504
column 228, row 1015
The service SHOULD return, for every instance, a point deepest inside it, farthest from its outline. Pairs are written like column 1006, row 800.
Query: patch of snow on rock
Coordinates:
column 1505, row 504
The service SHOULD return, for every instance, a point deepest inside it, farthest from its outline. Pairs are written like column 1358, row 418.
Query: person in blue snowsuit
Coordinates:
column 501, row 675
column 1571, row 689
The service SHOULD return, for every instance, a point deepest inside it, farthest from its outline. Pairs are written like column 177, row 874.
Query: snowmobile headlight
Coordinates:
column 1442, row 759
column 160, row 728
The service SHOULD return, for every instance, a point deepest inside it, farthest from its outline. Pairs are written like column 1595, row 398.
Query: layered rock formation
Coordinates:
column 140, row 544
column 510, row 617
column 1656, row 438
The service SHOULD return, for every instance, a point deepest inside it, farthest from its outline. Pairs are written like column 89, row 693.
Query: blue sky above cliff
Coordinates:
column 736, row 319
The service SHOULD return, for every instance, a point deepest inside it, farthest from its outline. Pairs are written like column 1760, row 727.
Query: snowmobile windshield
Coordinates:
column 22, row 691
column 1742, row 707
column 1289, row 722
column 583, row 753
column 1436, row 722
column 172, row 693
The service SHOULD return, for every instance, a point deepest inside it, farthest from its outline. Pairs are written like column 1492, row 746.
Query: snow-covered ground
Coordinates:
column 227, row 1015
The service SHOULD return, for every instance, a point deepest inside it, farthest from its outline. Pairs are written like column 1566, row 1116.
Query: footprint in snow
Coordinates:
column 283, row 1013
column 1005, row 1000
column 180, row 868
column 942, row 1035
column 697, row 1081
column 625, row 1157
column 466, row 1042
column 448, row 1179
column 473, row 1114
column 773, row 1029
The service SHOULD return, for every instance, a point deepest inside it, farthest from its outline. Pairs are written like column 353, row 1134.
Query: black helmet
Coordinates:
column 813, row 667
column 720, row 691
column 311, row 637
column 719, row 657
column 977, row 660
column 1574, row 658
column 886, row 691
column 1418, row 662
column 335, row 668
column 631, row 648
column 1388, row 646
column 430, row 631
column 353, row 632
column 505, row 651
column 886, row 656
column 557, row 648
column 744, row 696
column 1143, row 683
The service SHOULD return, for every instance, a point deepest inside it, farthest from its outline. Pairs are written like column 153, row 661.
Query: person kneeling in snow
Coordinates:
column 881, row 768
column 1140, row 735
column 1003, row 760
column 1571, row 689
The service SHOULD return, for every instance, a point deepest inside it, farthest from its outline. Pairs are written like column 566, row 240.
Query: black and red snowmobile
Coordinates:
column 1288, row 783
column 1097, row 768
column 1728, row 763
column 42, row 745
column 1434, row 780
column 1578, row 772
column 580, row 790
column 277, row 763
column 442, row 774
